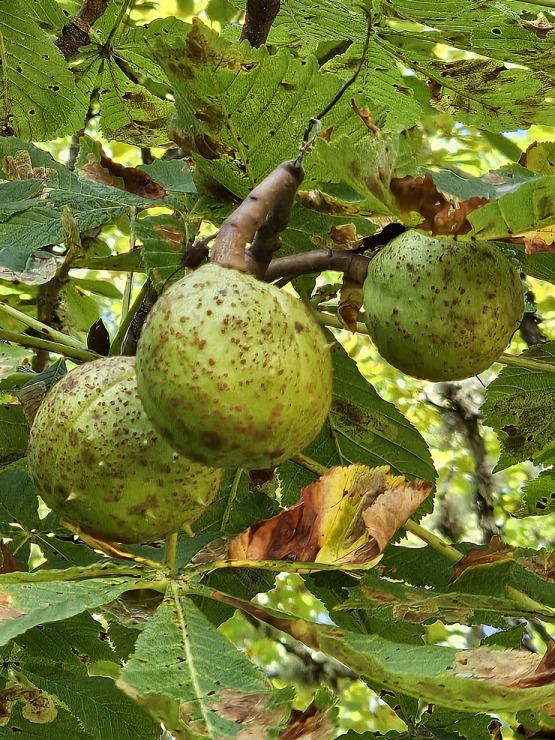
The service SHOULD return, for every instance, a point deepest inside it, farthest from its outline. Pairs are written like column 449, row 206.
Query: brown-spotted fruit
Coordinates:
column 440, row 309
column 96, row 460
column 233, row 370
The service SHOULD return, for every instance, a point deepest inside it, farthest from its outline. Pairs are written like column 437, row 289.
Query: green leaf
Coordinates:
column 22, row 235
column 63, row 727
column 164, row 239
column 359, row 173
column 366, row 429
column 28, row 599
column 39, row 99
column 184, row 672
column 18, row 510
column 244, row 110
column 527, row 208
column 130, row 113
column 539, row 496
column 520, row 407
column 58, row 659
column 439, row 675
column 172, row 174
column 14, row 433
column 457, row 605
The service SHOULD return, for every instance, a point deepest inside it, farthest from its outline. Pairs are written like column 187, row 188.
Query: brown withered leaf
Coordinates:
column 511, row 668
column 107, row 172
column 346, row 517
column 345, row 235
column 366, row 117
column 441, row 215
column 493, row 553
column 312, row 724
column 536, row 243
column 20, row 167
column 541, row 565
column 9, row 564
column 350, row 302
column 250, row 712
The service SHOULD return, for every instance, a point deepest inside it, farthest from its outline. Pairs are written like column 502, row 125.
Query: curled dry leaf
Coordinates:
column 312, row 724
column 251, row 712
column 346, row 517
column 441, row 215
column 494, row 553
column 104, row 171
column 510, row 668
column 8, row 563
column 350, row 302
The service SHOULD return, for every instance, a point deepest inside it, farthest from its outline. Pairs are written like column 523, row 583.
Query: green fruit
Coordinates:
column 440, row 309
column 233, row 370
column 97, row 462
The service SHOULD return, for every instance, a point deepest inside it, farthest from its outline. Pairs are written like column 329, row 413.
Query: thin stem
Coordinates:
column 280, row 566
column 171, row 551
column 328, row 319
column 529, row 363
column 127, row 319
column 231, row 497
column 351, row 264
column 308, row 464
column 44, row 330
column 448, row 551
column 25, row 340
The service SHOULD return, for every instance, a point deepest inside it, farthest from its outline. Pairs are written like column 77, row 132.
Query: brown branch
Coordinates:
column 529, row 326
column 76, row 33
column 466, row 416
column 267, row 239
column 258, row 21
column 240, row 227
column 354, row 266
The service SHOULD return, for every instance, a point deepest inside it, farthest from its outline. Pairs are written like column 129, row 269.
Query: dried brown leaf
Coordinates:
column 511, row 668
column 9, row 563
column 107, row 172
column 346, row 517
column 441, row 215
column 494, row 553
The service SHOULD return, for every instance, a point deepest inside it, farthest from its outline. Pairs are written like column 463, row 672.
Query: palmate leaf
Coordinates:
column 242, row 109
column 188, row 676
column 39, row 98
column 39, row 223
column 28, row 599
column 62, row 660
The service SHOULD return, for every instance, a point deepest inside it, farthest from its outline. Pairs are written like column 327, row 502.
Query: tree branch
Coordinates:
column 240, row 227
column 258, row 21
column 354, row 266
column 76, row 33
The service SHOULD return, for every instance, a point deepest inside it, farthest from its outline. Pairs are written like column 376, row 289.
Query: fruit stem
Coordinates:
column 43, row 329
column 435, row 542
column 354, row 266
column 261, row 204
column 26, row 340
column 529, row 363
column 308, row 464
column 171, row 552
